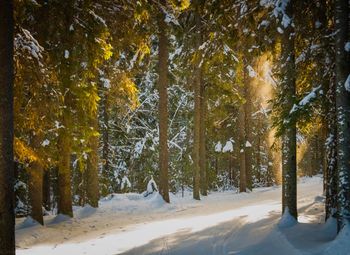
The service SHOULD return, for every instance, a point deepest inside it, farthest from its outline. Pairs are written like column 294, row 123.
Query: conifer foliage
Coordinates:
column 103, row 97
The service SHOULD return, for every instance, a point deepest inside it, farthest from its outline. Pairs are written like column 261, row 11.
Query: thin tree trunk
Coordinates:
column 197, row 110
column 202, row 142
column 106, row 174
column 7, row 216
column 242, row 160
column 247, row 131
column 342, row 69
column 163, row 108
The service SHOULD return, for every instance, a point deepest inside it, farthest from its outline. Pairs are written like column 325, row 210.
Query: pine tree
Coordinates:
column 342, row 74
column 289, row 167
column 7, row 217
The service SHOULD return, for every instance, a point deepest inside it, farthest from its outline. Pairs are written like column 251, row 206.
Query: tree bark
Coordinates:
column 242, row 160
column 64, row 171
column 47, row 190
column 7, row 216
column 197, row 106
column 342, row 69
column 247, row 131
column 36, row 191
column 163, row 108
column 289, row 165
column 92, row 181
column 106, row 169
column 202, row 142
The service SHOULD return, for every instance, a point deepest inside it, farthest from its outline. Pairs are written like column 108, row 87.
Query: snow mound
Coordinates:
column 27, row 223
column 151, row 186
column 287, row 220
column 340, row 246
column 84, row 212
column 60, row 218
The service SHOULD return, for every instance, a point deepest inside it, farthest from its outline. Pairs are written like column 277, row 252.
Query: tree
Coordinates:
column 197, row 103
column 7, row 217
column 342, row 74
column 163, row 107
column 288, row 86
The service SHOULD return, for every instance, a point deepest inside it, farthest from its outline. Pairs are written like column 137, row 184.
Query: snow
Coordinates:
column 347, row 46
column 151, row 186
column 340, row 245
column 248, row 144
column 228, row 147
column 287, row 220
column 218, row 147
column 251, row 72
column 125, row 183
column 280, row 30
column 309, row 97
column 106, row 82
column 45, row 143
column 66, row 54
column 222, row 223
column 347, row 84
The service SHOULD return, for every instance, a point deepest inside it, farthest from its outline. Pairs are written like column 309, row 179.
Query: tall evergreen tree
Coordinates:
column 7, row 217
column 288, row 86
column 342, row 74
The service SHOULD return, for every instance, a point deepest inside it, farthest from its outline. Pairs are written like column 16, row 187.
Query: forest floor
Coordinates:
column 222, row 223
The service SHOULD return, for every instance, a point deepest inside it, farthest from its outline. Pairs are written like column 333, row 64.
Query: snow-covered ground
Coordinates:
column 222, row 223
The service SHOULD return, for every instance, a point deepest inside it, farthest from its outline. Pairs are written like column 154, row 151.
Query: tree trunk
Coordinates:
column 64, row 171
column 7, row 216
column 197, row 110
column 289, row 166
column 202, row 142
column 47, row 190
column 342, row 69
column 106, row 169
column 36, row 191
column 242, row 160
column 247, row 131
column 163, row 108
column 92, row 183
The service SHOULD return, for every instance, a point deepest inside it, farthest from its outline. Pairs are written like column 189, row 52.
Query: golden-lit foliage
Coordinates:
column 123, row 92
column 180, row 5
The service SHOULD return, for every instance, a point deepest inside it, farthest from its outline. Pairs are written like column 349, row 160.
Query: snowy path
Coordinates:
column 223, row 223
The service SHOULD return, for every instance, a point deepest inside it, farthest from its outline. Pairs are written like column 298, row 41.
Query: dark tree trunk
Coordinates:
column 247, row 131
column 197, row 110
column 163, row 108
column 7, row 216
column 342, row 71
column 47, row 190
column 242, row 160
column 36, row 191
column 64, row 173
column 106, row 169
column 36, row 184
column 92, row 181
column 202, row 143
column 289, row 166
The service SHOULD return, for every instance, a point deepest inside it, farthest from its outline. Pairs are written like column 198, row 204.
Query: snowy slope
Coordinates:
column 222, row 223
